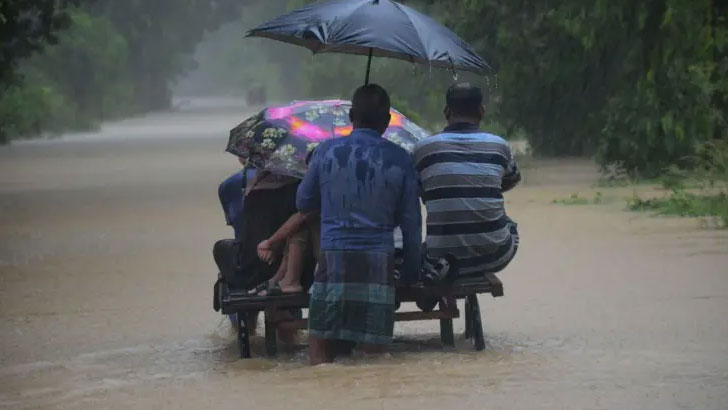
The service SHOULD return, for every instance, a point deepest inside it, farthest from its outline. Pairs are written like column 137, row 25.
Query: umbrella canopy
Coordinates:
column 278, row 139
column 380, row 28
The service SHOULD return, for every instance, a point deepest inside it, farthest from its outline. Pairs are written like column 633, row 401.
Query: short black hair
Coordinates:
column 464, row 99
column 370, row 105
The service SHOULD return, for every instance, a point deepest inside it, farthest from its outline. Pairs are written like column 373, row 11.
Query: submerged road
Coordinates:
column 106, row 277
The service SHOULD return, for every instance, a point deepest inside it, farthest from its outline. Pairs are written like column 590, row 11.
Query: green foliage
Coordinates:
column 683, row 203
column 711, row 163
column 72, row 84
column 575, row 199
column 710, row 167
column 673, row 178
column 31, row 109
column 26, row 27
column 86, row 69
column 665, row 108
column 641, row 84
column 115, row 58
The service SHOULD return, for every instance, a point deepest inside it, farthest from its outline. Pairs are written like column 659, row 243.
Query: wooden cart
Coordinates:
column 245, row 309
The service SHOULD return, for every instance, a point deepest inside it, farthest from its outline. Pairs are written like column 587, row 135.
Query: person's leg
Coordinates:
column 320, row 350
column 291, row 282
column 510, row 254
column 371, row 348
column 281, row 272
column 286, row 334
column 343, row 347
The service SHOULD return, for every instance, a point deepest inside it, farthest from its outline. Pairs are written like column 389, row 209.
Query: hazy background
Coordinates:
column 106, row 227
column 638, row 84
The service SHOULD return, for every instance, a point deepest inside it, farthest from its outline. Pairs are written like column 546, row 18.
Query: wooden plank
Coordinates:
column 496, row 283
column 233, row 301
column 415, row 316
column 398, row 317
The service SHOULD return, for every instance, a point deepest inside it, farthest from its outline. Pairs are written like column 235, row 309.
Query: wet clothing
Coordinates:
column 364, row 186
column 272, row 181
column 232, row 199
column 352, row 297
column 265, row 211
column 464, row 173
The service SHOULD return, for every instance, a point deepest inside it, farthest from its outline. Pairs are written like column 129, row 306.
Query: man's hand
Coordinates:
column 265, row 251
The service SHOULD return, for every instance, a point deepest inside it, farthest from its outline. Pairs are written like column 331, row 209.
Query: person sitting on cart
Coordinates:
column 269, row 202
column 363, row 186
column 300, row 237
column 464, row 172
column 230, row 192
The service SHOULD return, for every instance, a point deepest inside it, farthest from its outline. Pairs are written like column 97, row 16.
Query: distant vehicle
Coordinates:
column 256, row 95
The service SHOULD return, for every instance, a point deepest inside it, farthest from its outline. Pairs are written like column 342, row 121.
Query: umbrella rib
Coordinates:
column 419, row 36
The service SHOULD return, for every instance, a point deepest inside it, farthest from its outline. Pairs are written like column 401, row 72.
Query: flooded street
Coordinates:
column 106, row 277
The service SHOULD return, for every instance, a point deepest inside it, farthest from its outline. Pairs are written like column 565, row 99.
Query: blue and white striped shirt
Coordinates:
column 464, row 173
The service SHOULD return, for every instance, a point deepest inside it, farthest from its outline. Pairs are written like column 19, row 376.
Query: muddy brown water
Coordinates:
column 106, row 277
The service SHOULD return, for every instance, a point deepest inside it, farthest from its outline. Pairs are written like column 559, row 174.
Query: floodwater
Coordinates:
column 106, row 279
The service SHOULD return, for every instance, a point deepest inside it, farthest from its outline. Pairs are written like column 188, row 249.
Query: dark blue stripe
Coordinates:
column 462, row 192
column 464, row 263
column 472, row 157
column 468, row 228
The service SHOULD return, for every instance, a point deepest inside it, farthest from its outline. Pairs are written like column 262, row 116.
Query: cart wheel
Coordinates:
column 468, row 319
column 447, row 335
column 271, row 339
column 476, row 323
column 243, row 334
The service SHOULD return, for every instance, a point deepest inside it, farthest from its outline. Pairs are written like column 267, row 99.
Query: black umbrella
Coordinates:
column 381, row 28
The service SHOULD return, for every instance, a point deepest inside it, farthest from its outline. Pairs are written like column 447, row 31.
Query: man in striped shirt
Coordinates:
column 464, row 172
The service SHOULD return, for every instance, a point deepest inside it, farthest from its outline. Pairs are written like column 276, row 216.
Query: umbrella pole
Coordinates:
column 369, row 66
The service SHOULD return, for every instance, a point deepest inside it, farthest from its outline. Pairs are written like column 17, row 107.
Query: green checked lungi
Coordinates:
column 352, row 297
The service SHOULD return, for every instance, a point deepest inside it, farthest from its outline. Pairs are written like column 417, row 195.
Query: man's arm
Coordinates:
column 513, row 175
column 409, row 219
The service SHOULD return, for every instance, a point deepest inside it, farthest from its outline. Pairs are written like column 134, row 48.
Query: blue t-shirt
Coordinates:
column 364, row 186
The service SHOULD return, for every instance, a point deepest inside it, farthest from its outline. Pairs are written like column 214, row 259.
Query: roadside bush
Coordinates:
column 32, row 109
column 710, row 168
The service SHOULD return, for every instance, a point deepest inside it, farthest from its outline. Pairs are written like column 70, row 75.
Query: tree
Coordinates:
column 25, row 27
column 639, row 83
column 161, row 34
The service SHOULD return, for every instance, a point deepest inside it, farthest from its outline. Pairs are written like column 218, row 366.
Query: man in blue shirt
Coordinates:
column 364, row 186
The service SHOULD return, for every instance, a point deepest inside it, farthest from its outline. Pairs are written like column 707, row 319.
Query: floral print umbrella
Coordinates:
column 278, row 139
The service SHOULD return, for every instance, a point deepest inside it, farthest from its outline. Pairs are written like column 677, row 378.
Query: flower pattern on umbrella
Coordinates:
column 279, row 138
